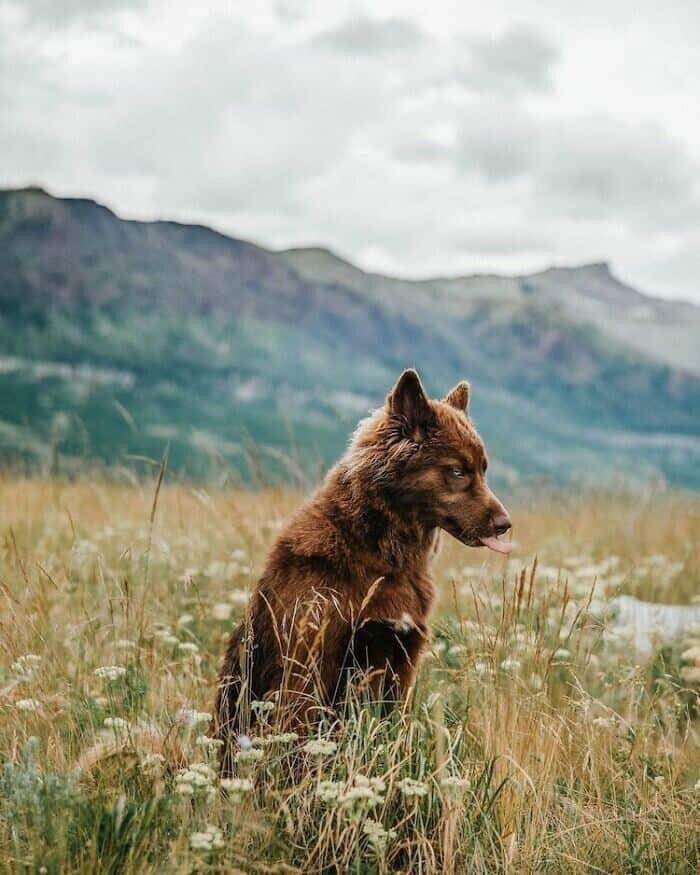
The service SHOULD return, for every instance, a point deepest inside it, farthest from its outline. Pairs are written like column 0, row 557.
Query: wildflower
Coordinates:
column 210, row 839
column 125, row 644
column 185, row 620
column 409, row 787
column 166, row 636
column 110, row 672
column 236, row 788
column 696, row 786
column 604, row 722
column 455, row 787
column 197, row 779
column 456, row 649
column 691, row 674
column 188, row 647
column 239, row 555
column 481, row 668
column 116, row 723
column 320, row 747
column 221, row 611
column 329, row 791
column 691, row 655
column 659, row 780
column 562, row 653
column 252, row 755
column 281, row 738
column 206, row 741
column 260, row 708
column 363, row 793
column 191, row 717
column 510, row 664
column 377, row 835
column 27, row 704
column 152, row 764
column 25, row 667
column 238, row 597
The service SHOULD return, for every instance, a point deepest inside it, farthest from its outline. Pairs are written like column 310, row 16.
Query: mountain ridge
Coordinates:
column 219, row 333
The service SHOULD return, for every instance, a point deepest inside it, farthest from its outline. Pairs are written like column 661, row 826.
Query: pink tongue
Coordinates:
column 496, row 545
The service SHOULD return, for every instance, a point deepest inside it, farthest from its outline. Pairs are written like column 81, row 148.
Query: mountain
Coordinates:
column 119, row 337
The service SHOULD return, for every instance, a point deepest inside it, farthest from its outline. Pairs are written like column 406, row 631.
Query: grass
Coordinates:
column 536, row 741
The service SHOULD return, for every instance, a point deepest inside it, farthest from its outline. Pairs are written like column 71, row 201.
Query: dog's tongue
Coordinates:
column 496, row 545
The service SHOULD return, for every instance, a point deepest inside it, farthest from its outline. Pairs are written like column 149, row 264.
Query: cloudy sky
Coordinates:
column 415, row 138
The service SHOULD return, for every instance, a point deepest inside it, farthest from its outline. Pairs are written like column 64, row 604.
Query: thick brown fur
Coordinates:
column 346, row 592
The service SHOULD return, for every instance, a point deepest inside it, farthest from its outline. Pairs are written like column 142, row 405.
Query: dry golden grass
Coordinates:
column 535, row 742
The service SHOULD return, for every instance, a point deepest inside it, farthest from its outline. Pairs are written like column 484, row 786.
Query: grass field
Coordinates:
column 536, row 741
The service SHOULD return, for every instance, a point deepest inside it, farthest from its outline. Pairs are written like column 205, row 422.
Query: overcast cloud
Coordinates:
column 414, row 139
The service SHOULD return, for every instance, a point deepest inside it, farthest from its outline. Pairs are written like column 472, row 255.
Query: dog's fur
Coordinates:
column 346, row 592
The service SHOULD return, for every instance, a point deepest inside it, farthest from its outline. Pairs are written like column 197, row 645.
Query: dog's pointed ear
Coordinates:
column 409, row 401
column 459, row 396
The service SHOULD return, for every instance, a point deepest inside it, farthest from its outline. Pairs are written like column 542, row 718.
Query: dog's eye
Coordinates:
column 457, row 472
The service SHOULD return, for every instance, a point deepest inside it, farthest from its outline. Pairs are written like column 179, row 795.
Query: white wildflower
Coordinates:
column 191, row 717
column 110, row 672
column 253, row 755
column 153, row 764
column 377, row 835
column 188, row 647
column 260, row 708
column 410, row 787
column 455, row 787
column 236, row 788
column 25, row 667
column 238, row 596
column 206, row 741
column 185, row 620
column 210, row 839
column 691, row 655
column 510, row 664
column 222, row 611
column 320, row 747
column 329, row 791
column 28, row 704
column 281, row 738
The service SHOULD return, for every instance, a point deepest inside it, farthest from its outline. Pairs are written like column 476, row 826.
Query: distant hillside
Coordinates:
column 117, row 337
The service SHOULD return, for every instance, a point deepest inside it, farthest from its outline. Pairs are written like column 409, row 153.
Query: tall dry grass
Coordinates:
column 536, row 740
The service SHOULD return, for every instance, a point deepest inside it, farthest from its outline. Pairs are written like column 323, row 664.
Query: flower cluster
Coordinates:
column 25, row 667
column 410, row 787
column 320, row 747
column 378, row 836
column 211, row 839
column 110, row 672
column 196, row 780
column 236, row 788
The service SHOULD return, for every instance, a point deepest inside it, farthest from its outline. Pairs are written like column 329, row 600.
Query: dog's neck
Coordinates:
column 378, row 536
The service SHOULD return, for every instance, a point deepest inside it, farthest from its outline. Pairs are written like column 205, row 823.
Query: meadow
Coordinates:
column 536, row 740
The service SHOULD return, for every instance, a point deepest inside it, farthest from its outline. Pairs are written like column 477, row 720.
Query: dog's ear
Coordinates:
column 459, row 396
column 409, row 401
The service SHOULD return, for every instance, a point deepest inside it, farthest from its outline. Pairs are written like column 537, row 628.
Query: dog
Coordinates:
column 346, row 593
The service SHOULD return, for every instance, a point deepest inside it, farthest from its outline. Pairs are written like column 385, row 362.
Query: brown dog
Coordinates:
column 346, row 592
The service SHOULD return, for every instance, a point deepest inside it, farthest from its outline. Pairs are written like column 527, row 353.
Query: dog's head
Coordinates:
column 427, row 457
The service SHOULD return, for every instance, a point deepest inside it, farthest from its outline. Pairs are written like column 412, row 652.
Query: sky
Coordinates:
column 413, row 138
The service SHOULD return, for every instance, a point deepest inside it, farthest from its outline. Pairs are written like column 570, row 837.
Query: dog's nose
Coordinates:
column 501, row 523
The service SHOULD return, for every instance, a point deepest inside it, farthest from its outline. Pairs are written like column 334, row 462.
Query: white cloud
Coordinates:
column 426, row 140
